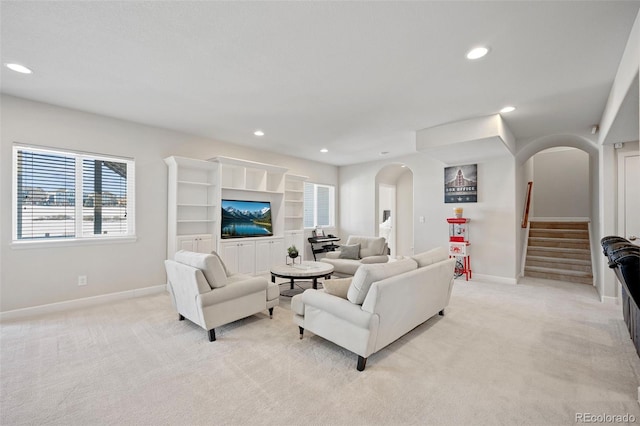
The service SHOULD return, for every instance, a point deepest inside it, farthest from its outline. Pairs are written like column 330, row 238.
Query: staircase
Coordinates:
column 559, row 251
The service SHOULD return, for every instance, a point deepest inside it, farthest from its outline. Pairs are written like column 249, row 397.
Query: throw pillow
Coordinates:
column 432, row 256
column 210, row 265
column 337, row 287
column 350, row 252
column 368, row 274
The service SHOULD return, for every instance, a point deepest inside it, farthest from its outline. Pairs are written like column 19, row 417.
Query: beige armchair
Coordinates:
column 204, row 293
column 359, row 250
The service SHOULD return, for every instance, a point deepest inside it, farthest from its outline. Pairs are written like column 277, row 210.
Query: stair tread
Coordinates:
column 560, row 249
column 559, row 260
column 565, row 240
column 558, row 271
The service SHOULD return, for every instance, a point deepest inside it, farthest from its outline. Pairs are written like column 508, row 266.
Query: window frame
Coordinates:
column 78, row 238
column 332, row 206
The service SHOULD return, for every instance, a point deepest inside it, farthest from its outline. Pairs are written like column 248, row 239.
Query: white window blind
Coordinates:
column 66, row 195
column 319, row 201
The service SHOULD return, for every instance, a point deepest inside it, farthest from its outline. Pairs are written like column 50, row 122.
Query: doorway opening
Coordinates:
column 394, row 208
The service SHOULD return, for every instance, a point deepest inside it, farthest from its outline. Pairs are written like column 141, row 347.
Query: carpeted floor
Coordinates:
column 537, row 353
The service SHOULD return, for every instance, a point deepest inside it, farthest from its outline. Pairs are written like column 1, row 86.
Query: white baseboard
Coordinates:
column 80, row 303
column 492, row 279
column 609, row 300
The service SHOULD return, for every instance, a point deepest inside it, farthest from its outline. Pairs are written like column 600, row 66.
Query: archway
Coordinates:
column 394, row 207
column 589, row 182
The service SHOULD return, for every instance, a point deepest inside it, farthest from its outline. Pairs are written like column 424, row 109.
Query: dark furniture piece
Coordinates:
column 326, row 244
column 624, row 259
column 307, row 271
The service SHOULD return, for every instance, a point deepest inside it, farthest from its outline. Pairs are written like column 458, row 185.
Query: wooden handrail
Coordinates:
column 527, row 204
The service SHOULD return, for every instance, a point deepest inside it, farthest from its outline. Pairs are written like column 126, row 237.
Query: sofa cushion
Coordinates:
column 368, row 274
column 337, row 287
column 369, row 246
column 343, row 266
column 350, row 252
column 210, row 265
column 430, row 257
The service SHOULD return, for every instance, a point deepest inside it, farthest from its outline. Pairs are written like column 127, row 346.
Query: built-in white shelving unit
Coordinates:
column 253, row 181
column 294, row 211
column 195, row 193
column 193, row 204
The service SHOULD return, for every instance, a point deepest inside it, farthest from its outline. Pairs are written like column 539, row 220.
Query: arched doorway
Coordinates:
column 565, row 172
column 394, row 208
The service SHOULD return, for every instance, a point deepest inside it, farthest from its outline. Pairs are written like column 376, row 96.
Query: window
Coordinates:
column 319, row 205
column 59, row 195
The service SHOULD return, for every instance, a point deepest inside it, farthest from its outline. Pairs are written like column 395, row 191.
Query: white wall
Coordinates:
column 404, row 221
column 561, row 183
column 493, row 217
column 32, row 277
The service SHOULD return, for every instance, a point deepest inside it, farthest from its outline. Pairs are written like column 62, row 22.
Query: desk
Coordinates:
column 326, row 242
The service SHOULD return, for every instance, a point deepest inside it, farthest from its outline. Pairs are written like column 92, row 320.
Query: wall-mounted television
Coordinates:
column 243, row 218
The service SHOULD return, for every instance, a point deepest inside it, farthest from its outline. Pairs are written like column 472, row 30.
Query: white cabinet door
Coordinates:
column 263, row 256
column 186, row 243
column 247, row 258
column 269, row 253
column 239, row 256
column 196, row 243
column 205, row 244
column 278, row 252
column 229, row 254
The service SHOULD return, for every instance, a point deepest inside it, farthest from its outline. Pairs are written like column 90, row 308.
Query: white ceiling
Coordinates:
column 355, row 77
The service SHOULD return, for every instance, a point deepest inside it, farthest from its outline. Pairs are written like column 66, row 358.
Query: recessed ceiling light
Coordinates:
column 507, row 109
column 19, row 68
column 324, row 150
column 258, row 133
column 477, row 52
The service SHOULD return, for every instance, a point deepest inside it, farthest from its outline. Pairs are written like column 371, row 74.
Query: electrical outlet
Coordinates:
column 82, row 280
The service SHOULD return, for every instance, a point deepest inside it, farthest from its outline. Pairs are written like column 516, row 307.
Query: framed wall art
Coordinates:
column 461, row 184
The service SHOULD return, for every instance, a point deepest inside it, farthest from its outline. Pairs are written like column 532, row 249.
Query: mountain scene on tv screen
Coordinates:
column 242, row 219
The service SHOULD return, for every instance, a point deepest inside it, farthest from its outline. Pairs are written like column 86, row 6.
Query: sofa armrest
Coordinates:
column 332, row 254
column 383, row 258
column 234, row 291
column 337, row 306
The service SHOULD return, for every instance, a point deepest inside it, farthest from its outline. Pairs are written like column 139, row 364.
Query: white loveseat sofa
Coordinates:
column 359, row 250
column 383, row 302
column 203, row 292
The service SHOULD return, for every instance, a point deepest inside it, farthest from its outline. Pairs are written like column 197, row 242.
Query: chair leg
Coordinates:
column 270, row 312
column 362, row 362
column 441, row 313
column 180, row 317
column 212, row 335
column 301, row 331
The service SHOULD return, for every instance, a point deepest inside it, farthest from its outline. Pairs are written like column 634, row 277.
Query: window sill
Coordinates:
column 72, row 242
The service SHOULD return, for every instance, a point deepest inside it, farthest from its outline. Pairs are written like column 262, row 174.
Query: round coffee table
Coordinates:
column 305, row 270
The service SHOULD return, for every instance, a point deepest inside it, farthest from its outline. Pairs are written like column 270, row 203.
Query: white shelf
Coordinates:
column 187, row 182
column 193, row 195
